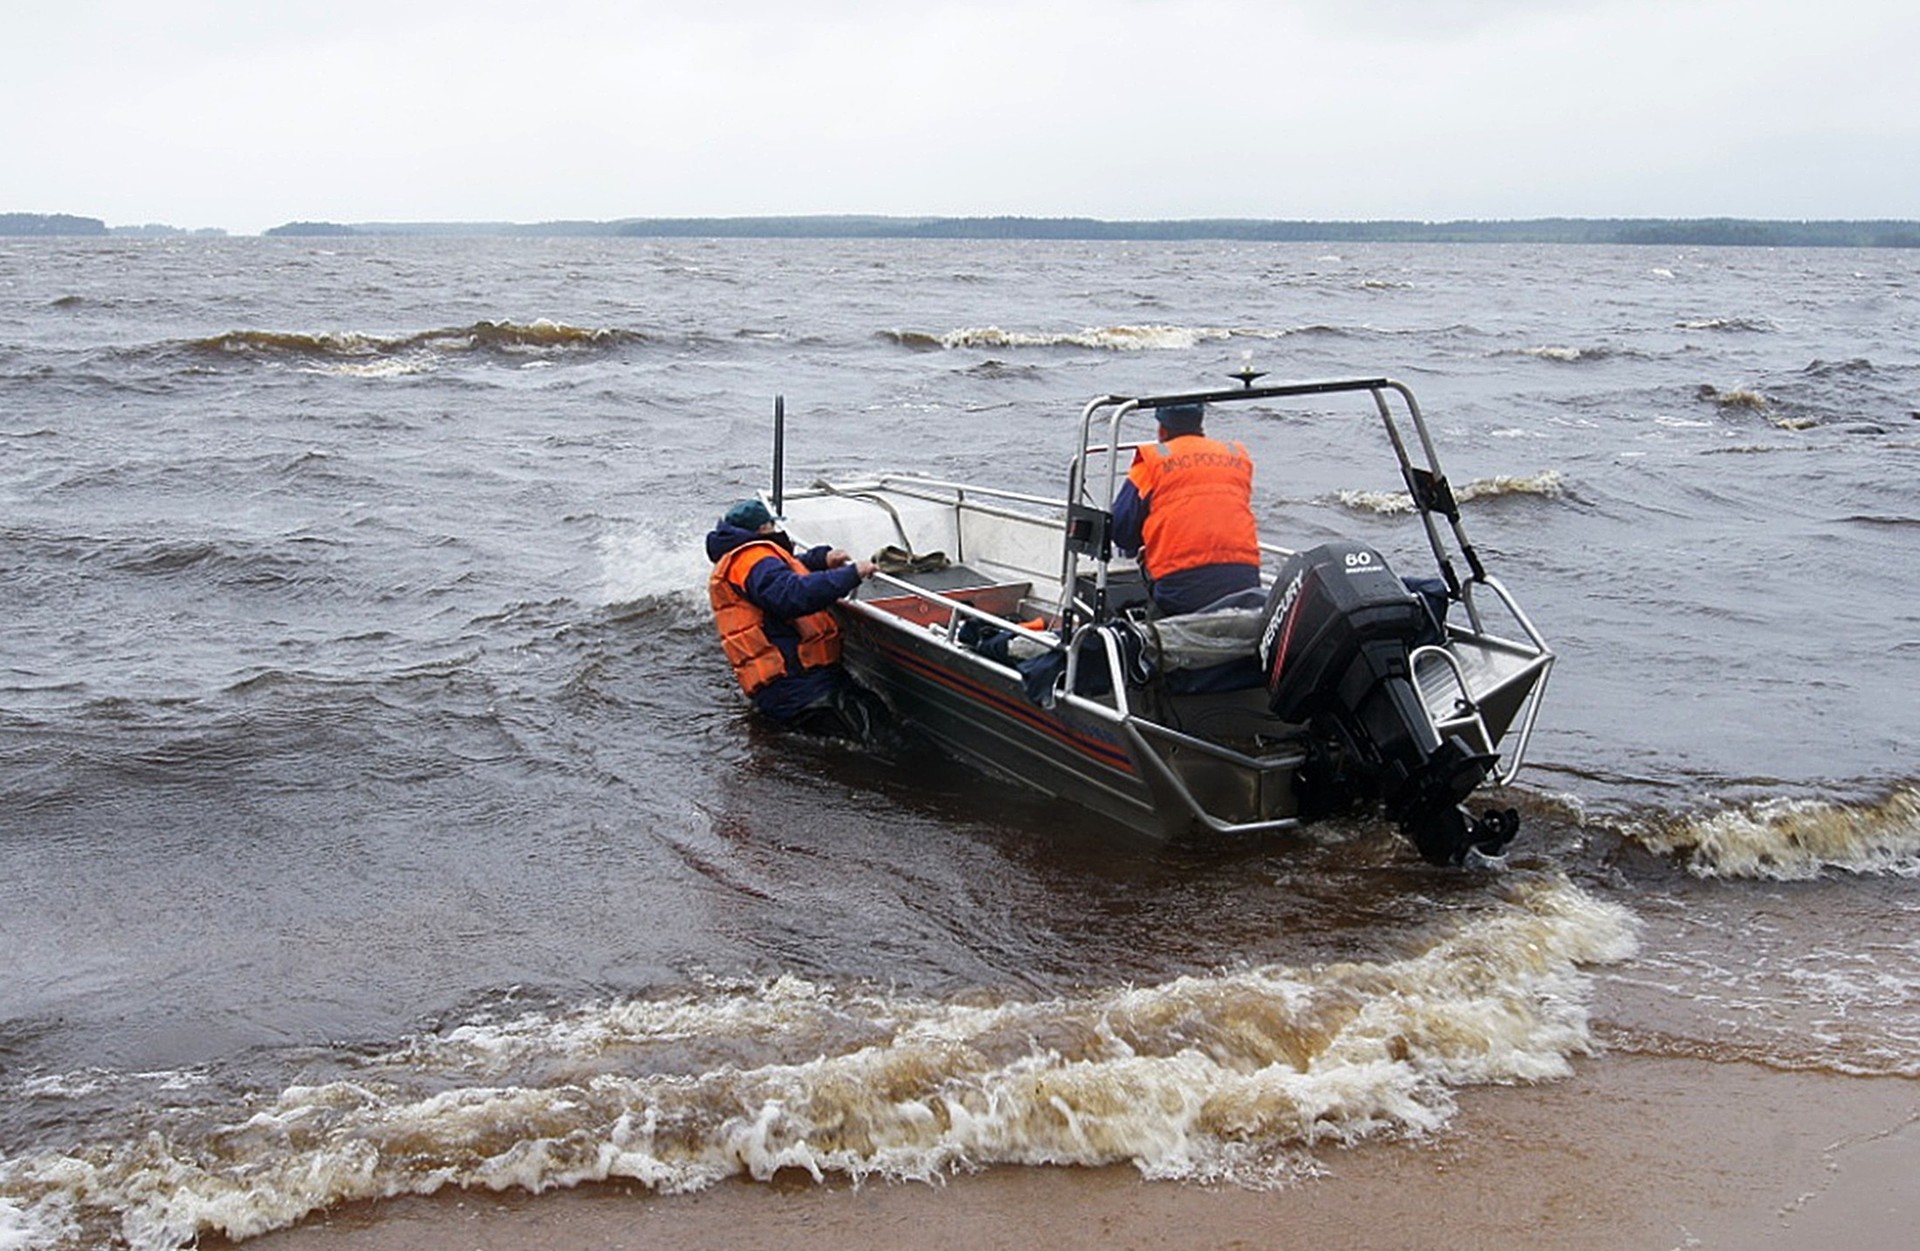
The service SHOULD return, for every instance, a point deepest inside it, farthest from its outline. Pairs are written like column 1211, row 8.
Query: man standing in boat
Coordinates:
column 773, row 610
column 1186, row 509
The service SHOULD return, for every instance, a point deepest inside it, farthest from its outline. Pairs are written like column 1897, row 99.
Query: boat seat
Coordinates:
column 1200, row 640
column 1212, row 651
column 946, row 579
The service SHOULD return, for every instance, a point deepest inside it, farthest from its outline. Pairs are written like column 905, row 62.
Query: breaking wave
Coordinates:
column 641, row 564
column 1569, row 354
column 1234, row 1076
column 1794, row 839
column 1565, row 355
column 1754, row 325
column 1740, row 397
column 1745, row 399
column 1144, row 338
column 1547, row 483
column 385, row 356
column 1107, row 338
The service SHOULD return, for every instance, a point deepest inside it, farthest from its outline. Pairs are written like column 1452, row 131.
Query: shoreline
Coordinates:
column 1629, row 1152
column 1686, row 232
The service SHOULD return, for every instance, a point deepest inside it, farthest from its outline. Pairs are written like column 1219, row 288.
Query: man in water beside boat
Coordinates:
column 1186, row 508
column 772, row 608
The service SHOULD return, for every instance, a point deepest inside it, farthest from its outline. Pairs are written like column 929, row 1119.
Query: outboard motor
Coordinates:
column 1339, row 626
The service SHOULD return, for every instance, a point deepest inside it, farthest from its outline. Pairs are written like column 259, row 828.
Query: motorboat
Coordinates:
column 1006, row 628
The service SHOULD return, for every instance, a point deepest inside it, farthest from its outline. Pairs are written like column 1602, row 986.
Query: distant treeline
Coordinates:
column 65, row 225
column 1691, row 232
column 1696, row 232
column 50, row 224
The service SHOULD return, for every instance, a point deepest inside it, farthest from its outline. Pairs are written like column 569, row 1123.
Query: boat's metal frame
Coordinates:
column 1040, row 575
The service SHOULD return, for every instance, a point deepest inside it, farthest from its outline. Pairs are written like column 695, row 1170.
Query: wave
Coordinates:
column 1746, row 399
column 1233, row 1076
column 1794, row 839
column 1547, row 483
column 641, row 564
column 1853, row 367
column 1125, row 338
column 995, row 368
column 1740, row 397
column 1562, row 354
column 1755, row 325
column 280, row 563
column 388, row 356
column 1106, row 338
column 271, row 342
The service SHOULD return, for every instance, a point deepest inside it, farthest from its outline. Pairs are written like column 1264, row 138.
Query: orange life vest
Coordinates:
column 756, row 659
column 1197, row 491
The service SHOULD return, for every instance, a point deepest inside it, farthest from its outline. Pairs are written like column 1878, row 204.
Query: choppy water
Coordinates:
column 376, row 814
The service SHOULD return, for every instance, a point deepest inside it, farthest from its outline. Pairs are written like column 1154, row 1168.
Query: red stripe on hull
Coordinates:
column 1104, row 752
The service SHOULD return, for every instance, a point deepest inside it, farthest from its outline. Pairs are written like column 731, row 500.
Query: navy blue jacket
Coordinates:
column 776, row 590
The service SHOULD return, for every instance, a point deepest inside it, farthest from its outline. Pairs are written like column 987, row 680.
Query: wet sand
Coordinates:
column 1628, row 1153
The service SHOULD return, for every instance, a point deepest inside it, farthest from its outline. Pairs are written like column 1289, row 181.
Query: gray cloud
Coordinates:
column 247, row 115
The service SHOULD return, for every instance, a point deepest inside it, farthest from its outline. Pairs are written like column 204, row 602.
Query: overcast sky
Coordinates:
column 246, row 115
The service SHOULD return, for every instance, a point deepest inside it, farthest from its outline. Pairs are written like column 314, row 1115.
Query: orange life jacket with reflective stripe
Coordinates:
column 756, row 659
column 1197, row 491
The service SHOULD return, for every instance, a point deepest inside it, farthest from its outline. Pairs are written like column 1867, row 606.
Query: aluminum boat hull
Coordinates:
column 1058, row 699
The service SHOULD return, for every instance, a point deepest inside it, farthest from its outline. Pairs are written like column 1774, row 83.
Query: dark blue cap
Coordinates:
column 1183, row 418
column 748, row 515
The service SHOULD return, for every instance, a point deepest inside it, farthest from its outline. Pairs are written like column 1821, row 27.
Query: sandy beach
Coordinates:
column 1630, row 1152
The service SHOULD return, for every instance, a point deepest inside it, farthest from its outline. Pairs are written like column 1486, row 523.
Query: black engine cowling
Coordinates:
column 1332, row 606
column 1339, row 626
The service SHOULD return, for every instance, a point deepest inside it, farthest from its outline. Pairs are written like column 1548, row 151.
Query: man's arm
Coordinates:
column 1129, row 515
column 776, row 588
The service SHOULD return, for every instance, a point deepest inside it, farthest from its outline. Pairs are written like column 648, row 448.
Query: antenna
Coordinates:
column 779, row 450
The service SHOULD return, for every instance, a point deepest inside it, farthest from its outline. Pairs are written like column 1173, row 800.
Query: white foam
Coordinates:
column 387, row 367
column 47, row 1223
column 84, row 1082
column 1386, row 503
column 1796, row 839
column 1547, row 483
column 1237, row 1075
column 643, row 563
column 1108, row 338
